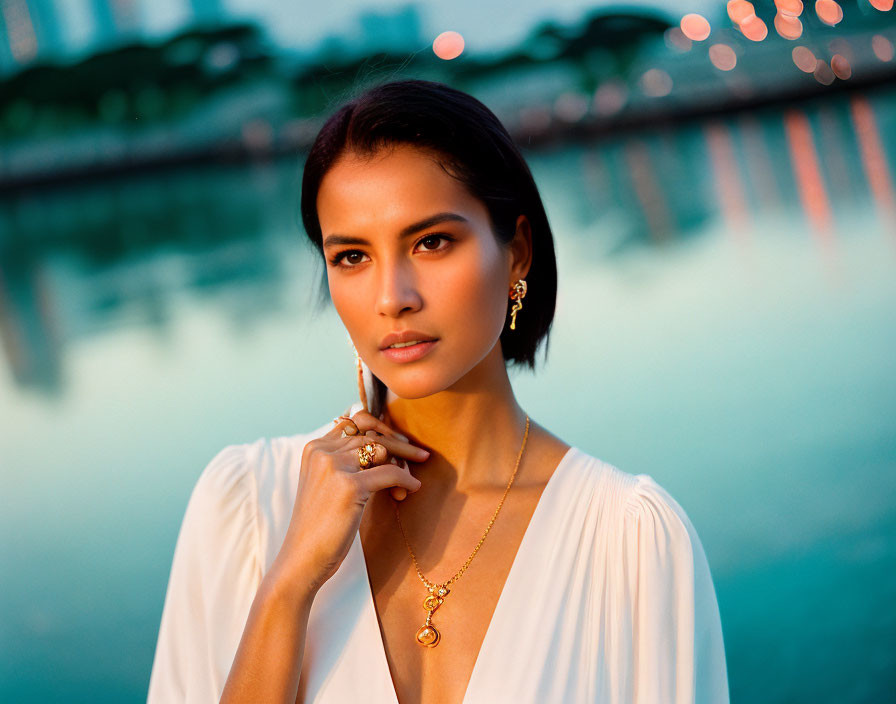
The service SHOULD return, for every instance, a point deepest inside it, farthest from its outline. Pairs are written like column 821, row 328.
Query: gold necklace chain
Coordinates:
column 428, row 635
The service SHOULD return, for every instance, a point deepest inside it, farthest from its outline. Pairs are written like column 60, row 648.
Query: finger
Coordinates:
column 399, row 493
column 387, row 475
column 365, row 421
column 346, row 427
column 360, row 424
column 340, row 425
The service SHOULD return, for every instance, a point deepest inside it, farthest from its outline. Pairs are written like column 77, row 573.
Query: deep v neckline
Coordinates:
column 516, row 567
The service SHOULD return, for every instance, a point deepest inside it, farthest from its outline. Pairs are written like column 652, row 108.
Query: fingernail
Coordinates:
column 425, row 453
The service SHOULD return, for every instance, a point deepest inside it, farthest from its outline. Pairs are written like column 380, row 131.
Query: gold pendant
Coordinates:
column 428, row 634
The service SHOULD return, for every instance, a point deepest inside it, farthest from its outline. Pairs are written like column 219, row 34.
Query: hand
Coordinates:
column 333, row 491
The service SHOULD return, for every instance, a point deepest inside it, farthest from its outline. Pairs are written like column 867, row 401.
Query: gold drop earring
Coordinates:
column 517, row 293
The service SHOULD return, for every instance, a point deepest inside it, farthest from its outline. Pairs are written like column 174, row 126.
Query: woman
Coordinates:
column 502, row 564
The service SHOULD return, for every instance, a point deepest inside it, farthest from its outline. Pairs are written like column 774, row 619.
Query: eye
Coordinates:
column 337, row 259
column 348, row 259
column 436, row 239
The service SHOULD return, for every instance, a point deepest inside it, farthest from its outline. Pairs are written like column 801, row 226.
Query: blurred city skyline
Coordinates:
column 69, row 29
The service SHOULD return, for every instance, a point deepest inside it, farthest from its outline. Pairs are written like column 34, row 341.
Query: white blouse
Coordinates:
column 627, row 611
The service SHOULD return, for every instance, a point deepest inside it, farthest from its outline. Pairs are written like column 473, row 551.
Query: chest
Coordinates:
column 440, row 674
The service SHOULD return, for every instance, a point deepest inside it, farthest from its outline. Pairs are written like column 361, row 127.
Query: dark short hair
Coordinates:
column 468, row 139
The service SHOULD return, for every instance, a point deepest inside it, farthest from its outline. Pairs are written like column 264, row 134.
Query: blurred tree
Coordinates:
column 145, row 81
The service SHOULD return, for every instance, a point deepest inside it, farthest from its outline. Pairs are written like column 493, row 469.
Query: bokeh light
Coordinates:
column 754, row 29
column 804, row 59
column 840, row 45
column 695, row 27
column 828, row 12
column 788, row 26
column 882, row 47
column 20, row 29
column 823, row 73
column 655, row 83
column 675, row 39
column 257, row 134
column 610, row 97
column 789, row 7
column 722, row 57
column 570, row 106
column 535, row 118
column 882, row 5
column 448, row 45
column 841, row 67
column 740, row 11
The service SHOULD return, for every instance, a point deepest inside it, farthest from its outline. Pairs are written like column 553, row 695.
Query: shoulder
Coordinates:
column 647, row 498
column 658, row 581
column 638, row 495
column 225, row 481
column 666, row 595
column 601, row 483
column 648, row 534
column 635, row 504
column 222, row 503
column 658, row 544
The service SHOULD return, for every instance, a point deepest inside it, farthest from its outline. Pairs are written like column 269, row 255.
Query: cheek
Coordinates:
column 346, row 305
column 474, row 294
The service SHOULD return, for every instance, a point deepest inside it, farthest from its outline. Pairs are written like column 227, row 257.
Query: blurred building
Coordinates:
column 42, row 29
column 19, row 42
column 38, row 29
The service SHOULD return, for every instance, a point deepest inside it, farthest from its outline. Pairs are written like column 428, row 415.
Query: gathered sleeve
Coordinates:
column 678, row 651
column 215, row 573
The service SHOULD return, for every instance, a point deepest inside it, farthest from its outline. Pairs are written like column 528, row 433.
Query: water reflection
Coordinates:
column 78, row 259
column 81, row 259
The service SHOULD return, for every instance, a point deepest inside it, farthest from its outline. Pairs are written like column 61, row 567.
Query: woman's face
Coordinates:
column 408, row 248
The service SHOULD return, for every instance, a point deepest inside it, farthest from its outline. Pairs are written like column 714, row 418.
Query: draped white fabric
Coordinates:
column 626, row 608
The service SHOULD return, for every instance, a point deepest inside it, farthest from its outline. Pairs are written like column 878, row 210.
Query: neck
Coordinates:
column 473, row 429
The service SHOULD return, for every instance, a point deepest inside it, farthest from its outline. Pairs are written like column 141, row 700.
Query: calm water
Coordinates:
column 726, row 323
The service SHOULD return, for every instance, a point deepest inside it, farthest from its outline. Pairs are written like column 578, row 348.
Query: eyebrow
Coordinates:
column 406, row 232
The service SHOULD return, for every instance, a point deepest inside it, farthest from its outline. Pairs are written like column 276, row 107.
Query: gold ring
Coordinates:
column 366, row 455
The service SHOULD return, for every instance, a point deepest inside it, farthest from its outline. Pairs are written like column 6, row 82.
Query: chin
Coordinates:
column 414, row 383
column 410, row 389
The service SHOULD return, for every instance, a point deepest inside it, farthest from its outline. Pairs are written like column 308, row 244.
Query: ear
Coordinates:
column 521, row 250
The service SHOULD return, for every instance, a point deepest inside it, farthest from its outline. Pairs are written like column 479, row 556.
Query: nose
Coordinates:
column 397, row 289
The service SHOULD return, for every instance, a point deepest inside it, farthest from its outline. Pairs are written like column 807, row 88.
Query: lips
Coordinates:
column 411, row 353
column 405, row 336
